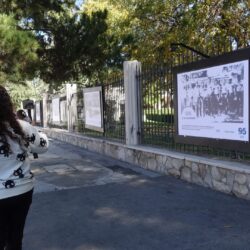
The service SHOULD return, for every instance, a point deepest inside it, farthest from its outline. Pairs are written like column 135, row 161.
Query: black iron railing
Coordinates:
column 113, row 111
column 157, row 99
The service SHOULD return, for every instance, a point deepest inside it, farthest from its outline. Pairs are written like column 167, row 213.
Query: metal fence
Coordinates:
column 61, row 111
column 157, row 99
column 113, row 111
column 157, row 108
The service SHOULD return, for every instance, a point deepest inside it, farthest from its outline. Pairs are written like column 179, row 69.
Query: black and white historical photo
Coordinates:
column 214, row 99
column 93, row 108
column 56, row 110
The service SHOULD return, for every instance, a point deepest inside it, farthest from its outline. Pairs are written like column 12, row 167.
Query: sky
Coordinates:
column 79, row 2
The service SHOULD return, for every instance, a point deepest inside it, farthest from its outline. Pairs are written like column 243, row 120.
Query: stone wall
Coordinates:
column 224, row 176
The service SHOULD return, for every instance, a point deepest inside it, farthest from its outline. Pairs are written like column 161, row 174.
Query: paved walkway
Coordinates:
column 85, row 201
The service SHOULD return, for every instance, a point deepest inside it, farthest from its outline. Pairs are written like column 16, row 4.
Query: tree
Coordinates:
column 31, row 90
column 66, row 44
column 223, row 23
column 17, row 51
column 71, row 43
column 119, row 30
column 207, row 25
column 78, row 49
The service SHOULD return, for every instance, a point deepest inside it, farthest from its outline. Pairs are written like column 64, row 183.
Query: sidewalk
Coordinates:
column 86, row 201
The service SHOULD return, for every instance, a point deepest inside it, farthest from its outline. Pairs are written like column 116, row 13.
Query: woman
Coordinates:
column 17, row 140
column 21, row 114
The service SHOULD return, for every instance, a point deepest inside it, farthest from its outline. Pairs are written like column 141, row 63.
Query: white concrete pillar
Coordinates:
column 45, row 110
column 132, row 102
column 70, row 90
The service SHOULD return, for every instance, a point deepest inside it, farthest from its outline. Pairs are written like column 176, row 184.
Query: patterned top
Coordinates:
column 15, row 175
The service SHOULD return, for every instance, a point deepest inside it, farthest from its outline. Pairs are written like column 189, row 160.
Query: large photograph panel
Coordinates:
column 56, row 110
column 38, row 111
column 93, row 108
column 213, row 102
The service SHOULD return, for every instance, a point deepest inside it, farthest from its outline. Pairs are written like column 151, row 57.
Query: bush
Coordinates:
column 160, row 118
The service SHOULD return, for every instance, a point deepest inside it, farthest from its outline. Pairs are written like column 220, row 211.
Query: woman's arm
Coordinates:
column 38, row 141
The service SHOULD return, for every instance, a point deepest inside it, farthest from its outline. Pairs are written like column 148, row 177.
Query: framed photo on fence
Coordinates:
column 38, row 111
column 56, row 110
column 212, row 101
column 93, row 108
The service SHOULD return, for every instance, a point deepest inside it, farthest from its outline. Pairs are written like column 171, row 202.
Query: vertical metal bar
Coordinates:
column 104, row 108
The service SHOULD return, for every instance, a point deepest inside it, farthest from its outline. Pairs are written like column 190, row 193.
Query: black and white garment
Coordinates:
column 15, row 175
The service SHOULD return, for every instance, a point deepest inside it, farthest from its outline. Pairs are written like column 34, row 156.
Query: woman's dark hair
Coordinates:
column 21, row 114
column 8, row 119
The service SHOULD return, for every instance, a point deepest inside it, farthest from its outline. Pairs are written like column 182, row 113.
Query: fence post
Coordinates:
column 132, row 102
column 70, row 90
column 45, row 110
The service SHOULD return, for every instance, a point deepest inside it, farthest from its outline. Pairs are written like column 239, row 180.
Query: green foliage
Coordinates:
column 71, row 44
column 56, row 41
column 18, row 51
column 209, row 26
column 78, row 47
column 119, row 33
column 160, row 118
column 30, row 90
column 35, row 14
